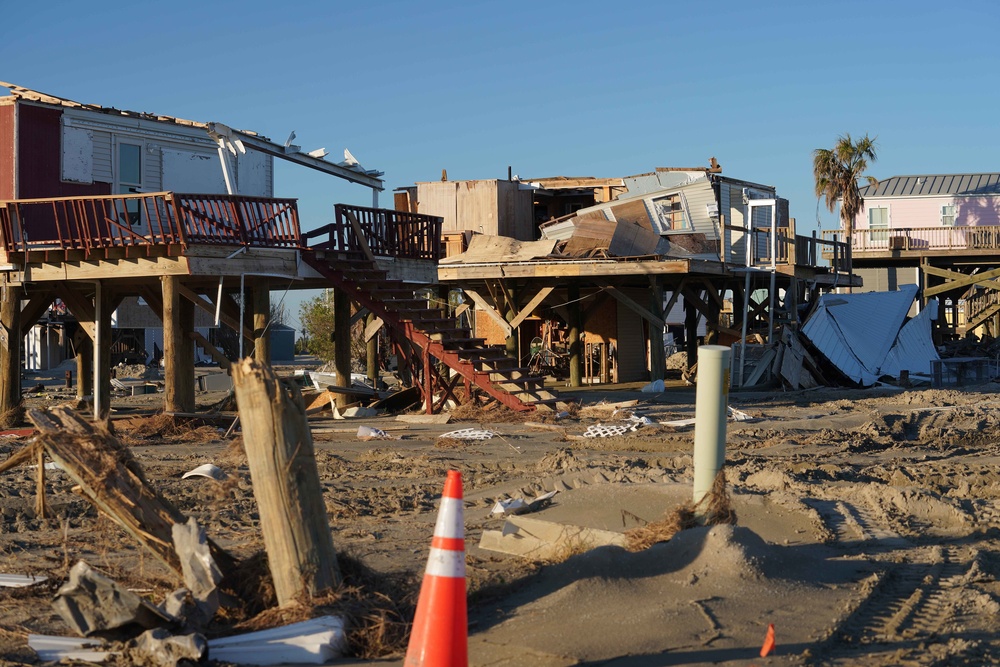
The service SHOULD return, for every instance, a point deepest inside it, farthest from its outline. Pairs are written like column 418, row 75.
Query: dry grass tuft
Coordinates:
column 12, row 417
column 717, row 510
column 490, row 414
column 164, row 428
column 377, row 607
column 449, row 443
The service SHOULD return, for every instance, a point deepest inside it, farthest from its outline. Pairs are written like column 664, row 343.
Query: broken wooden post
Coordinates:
column 10, row 354
column 286, row 484
column 371, row 351
column 102, row 352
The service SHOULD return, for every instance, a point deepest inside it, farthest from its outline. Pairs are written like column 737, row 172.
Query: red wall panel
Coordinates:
column 39, row 151
column 7, row 151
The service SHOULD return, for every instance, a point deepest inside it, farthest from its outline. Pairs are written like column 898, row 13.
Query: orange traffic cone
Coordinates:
column 769, row 643
column 440, row 627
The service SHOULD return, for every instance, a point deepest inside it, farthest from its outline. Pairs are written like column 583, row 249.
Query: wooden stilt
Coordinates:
column 657, row 356
column 573, row 338
column 178, row 348
column 261, row 319
column 342, row 343
column 10, row 354
column 102, row 352
column 371, row 353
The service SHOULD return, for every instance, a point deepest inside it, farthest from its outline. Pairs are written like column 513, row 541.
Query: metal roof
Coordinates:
column 934, row 184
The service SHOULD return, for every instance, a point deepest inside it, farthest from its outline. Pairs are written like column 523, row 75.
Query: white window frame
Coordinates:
column 879, row 234
column 944, row 216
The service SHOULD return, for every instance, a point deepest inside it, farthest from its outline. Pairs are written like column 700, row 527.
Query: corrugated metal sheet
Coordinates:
column 855, row 332
column 914, row 349
column 934, row 184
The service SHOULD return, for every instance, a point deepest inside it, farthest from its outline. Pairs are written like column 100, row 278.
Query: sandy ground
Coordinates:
column 867, row 532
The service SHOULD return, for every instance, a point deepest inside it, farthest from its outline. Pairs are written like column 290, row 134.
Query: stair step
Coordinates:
column 525, row 380
column 423, row 316
column 499, row 364
column 405, row 303
column 463, row 343
column 501, row 374
column 441, row 334
column 482, row 353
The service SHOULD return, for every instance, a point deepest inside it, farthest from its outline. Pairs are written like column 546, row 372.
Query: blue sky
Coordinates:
column 576, row 89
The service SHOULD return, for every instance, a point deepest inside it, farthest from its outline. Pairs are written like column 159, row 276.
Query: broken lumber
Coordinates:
column 110, row 478
column 282, row 461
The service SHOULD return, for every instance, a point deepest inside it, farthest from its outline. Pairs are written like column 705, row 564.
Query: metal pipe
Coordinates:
column 711, row 413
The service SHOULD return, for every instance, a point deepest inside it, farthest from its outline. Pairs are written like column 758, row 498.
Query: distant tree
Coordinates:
column 317, row 319
column 837, row 172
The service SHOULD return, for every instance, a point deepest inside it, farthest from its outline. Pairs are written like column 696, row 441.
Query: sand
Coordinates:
column 867, row 528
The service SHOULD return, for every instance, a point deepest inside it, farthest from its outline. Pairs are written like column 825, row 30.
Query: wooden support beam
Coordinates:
column 635, row 307
column 657, row 354
column 342, row 343
column 575, row 322
column 103, row 300
column 178, row 348
column 10, row 354
column 361, row 314
column 709, row 311
column 261, row 321
column 293, row 519
column 958, row 280
column 483, row 305
column 228, row 313
column 81, row 306
column 372, row 327
column 530, row 307
column 37, row 304
column 213, row 351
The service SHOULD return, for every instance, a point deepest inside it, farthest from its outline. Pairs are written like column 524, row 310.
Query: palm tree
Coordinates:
column 837, row 172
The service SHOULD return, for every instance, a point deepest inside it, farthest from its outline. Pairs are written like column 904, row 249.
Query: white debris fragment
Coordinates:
column 522, row 506
column 19, row 580
column 469, row 434
column 654, row 387
column 310, row 642
column 366, row 433
column 738, row 415
column 206, row 470
column 609, row 430
column 56, row 649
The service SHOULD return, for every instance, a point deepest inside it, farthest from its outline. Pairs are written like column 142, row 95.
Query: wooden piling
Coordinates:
column 286, row 483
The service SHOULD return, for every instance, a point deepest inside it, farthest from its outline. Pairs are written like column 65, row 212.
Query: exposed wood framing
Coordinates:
column 489, row 310
column 37, row 304
column 530, row 306
column 642, row 312
column 957, row 280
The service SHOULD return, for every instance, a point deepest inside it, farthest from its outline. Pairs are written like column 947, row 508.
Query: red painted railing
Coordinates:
column 388, row 233
column 161, row 218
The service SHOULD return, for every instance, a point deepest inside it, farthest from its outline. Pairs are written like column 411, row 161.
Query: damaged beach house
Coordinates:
column 597, row 280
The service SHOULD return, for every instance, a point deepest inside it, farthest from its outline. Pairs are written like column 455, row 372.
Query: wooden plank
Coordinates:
column 81, row 307
column 213, row 351
column 108, row 476
column 373, row 328
column 958, row 280
column 360, row 234
column 488, row 309
column 225, row 314
column 35, row 308
column 531, row 305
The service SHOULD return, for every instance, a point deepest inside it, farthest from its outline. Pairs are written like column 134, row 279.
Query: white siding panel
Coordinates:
column 152, row 171
column 103, row 172
column 77, row 155
column 185, row 171
column 253, row 174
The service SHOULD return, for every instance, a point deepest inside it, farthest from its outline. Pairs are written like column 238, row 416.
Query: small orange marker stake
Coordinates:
column 768, row 646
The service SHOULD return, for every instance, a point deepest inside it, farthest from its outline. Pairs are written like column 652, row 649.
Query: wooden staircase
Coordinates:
column 436, row 334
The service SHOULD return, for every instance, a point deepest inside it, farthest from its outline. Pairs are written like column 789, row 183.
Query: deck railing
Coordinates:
column 986, row 237
column 386, row 232
column 161, row 218
column 787, row 250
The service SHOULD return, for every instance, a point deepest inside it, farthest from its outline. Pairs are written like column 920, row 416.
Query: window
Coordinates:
column 130, row 177
column 670, row 211
column 878, row 219
column 948, row 215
